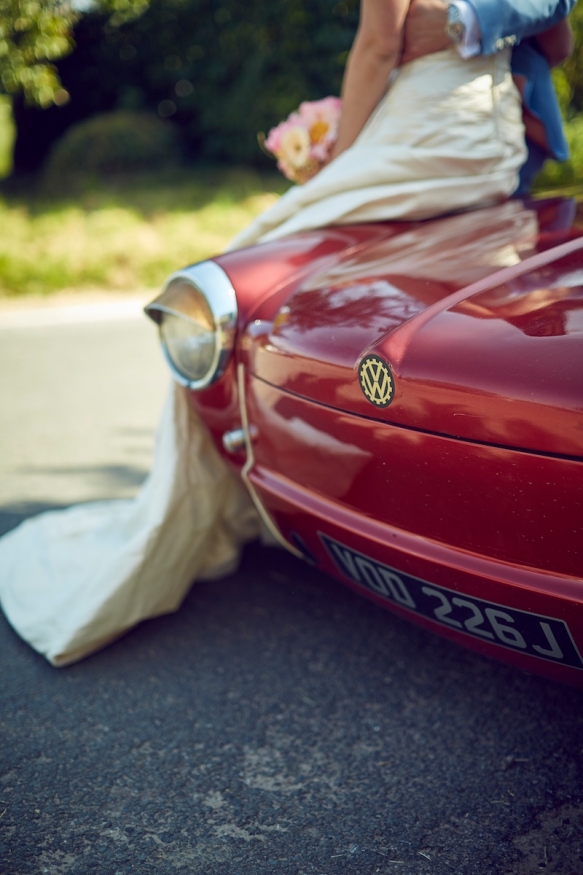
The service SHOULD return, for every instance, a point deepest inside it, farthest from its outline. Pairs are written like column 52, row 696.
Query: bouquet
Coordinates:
column 303, row 142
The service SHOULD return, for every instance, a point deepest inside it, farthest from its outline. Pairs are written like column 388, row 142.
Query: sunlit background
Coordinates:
column 128, row 128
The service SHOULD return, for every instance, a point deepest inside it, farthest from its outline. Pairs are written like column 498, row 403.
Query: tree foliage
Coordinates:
column 221, row 69
column 569, row 77
column 33, row 33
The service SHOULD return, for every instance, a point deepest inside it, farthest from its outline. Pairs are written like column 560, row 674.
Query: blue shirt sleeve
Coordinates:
column 506, row 22
column 539, row 96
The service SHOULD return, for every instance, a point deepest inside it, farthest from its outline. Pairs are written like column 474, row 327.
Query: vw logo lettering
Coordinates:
column 376, row 381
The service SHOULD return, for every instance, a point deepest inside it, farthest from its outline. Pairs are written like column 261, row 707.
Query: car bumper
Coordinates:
column 435, row 529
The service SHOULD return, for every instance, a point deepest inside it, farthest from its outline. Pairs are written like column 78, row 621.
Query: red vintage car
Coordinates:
column 405, row 404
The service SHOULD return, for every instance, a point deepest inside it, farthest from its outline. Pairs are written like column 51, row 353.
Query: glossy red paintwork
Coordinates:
column 522, row 508
column 262, row 271
column 472, row 478
column 500, row 366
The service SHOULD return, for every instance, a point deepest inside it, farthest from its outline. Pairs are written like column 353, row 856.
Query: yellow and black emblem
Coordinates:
column 376, row 381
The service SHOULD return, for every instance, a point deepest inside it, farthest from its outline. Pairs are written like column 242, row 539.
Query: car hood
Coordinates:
column 479, row 316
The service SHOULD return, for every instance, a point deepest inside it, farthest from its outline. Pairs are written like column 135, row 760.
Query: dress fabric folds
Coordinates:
column 447, row 136
column 73, row 580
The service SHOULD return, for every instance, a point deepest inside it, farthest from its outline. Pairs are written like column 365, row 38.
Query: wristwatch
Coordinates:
column 455, row 28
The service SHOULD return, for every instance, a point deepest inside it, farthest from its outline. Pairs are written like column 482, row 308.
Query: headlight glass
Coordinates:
column 190, row 342
column 197, row 317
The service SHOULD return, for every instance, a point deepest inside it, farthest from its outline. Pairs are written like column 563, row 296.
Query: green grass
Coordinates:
column 7, row 134
column 568, row 173
column 124, row 234
column 128, row 234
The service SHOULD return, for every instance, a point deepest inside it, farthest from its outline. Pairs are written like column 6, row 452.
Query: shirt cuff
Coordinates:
column 471, row 44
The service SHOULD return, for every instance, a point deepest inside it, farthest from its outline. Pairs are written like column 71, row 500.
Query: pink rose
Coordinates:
column 303, row 142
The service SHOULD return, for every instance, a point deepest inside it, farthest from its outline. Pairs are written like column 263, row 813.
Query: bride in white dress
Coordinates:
column 445, row 135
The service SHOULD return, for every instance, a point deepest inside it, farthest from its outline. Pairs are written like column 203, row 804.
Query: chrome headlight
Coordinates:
column 197, row 317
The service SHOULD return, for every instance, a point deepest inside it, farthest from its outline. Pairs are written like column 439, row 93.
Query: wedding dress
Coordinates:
column 447, row 136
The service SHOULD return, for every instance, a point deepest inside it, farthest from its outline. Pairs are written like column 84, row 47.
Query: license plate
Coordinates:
column 543, row 637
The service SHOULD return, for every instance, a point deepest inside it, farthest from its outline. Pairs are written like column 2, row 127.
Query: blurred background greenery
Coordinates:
column 128, row 128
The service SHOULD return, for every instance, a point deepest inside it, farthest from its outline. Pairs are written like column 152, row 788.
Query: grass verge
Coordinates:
column 128, row 233
column 567, row 173
column 125, row 233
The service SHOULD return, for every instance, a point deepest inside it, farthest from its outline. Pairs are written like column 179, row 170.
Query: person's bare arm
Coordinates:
column 424, row 31
column 556, row 44
column 375, row 53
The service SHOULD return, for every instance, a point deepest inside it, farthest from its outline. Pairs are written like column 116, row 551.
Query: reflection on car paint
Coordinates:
column 460, row 250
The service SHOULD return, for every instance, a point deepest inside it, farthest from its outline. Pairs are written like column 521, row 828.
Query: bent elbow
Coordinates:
column 381, row 48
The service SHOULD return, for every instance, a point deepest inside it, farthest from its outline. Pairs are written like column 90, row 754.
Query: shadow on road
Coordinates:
column 108, row 476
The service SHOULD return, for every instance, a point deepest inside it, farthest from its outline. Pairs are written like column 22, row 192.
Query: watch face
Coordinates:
column 455, row 32
column 455, row 27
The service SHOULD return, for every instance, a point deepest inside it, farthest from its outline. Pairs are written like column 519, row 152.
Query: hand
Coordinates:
column 425, row 29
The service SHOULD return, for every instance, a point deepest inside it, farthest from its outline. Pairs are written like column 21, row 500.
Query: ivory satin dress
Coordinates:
column 447, row 136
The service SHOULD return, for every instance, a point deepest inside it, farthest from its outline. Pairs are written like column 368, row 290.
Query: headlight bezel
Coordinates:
column 210, row 281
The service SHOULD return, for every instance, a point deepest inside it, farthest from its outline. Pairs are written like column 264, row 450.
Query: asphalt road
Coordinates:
column 277, row 723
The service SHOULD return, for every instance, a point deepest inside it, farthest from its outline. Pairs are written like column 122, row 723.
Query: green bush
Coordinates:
column 569, row 172
column 114, row 143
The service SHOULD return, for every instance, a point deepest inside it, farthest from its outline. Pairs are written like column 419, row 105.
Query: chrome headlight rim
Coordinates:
column 209, row 280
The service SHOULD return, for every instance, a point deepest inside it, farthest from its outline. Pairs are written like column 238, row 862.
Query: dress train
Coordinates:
column 73, row 580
